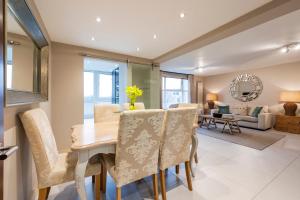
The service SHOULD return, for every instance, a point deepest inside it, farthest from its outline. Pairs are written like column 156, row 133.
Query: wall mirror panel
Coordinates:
column 26, row 56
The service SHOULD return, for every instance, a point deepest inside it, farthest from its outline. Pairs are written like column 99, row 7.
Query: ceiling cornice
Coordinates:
column 263, row 14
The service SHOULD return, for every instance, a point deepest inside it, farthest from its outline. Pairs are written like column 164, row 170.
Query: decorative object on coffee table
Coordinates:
column 290, row 98
column 246, row 87
column 211, row 98
column 286, row 123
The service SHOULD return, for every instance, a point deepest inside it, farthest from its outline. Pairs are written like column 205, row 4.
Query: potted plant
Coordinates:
column 132, row 93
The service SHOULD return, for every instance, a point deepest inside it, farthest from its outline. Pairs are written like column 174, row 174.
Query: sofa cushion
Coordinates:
column 247, row 118
column 256, row 112
column 239, row 110
column 264, row 110
column 224, row 109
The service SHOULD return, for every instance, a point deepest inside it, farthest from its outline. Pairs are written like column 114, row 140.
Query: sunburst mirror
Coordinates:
column 246, row 87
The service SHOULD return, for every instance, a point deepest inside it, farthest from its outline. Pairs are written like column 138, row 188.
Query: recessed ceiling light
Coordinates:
column 92, row 38
column 98, row 19
column 154, row 36
column 138, row 49
column 182, row 15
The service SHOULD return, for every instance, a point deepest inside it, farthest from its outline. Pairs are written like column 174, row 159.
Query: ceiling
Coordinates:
column 254, row 48
column 131, row 24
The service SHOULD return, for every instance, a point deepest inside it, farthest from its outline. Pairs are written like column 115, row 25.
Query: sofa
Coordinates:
column 264, row 121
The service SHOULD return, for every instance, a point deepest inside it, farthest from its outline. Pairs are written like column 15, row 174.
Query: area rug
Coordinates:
column 250, row 138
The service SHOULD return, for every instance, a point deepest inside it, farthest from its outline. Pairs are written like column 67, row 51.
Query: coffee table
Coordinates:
column 230, row 124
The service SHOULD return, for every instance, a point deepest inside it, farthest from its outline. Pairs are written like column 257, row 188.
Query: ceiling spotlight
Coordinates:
column 98, row 19
column 199, row 70
column 154, row 36
column 284, row 49
column 93, row 39
column 182, row 15
column 137, row 49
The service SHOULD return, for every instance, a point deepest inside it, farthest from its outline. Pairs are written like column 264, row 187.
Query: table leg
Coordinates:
column 225, row 123
column 83, row 158
column 193, row 151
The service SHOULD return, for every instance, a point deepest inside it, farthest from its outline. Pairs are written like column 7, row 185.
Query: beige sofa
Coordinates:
column 264, row 120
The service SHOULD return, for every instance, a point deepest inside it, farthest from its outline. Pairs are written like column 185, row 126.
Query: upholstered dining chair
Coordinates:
column 52, row 167
column 199, row 109
column 176, row 142
column 106, row 113
column 137, row 149
column 138, row 106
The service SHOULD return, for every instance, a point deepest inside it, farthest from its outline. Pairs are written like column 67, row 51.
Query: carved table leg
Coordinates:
column 82, row 162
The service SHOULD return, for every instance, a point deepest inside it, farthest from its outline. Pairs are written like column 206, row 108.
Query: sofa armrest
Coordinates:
column 214, row 111
column 265, row 121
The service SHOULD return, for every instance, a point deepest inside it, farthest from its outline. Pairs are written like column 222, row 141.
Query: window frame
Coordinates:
column 182, row 90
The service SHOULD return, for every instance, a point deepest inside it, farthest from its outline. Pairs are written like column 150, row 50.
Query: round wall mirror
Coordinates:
column 246, row 87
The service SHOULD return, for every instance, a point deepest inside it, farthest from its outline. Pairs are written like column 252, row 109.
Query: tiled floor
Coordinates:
column 225, row 171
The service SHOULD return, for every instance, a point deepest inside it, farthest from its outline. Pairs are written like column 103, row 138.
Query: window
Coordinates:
column 97, row 89
column 174, row 90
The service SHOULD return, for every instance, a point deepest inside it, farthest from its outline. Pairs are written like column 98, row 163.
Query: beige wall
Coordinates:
column 275, row 79
column 19, row 170
column 67, row 92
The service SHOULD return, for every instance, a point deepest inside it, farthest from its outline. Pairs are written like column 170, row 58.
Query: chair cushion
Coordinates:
column 64, row 170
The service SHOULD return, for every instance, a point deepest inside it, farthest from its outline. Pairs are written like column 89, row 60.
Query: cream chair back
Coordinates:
column 138, row 106
column 198, row 107
column 138, row 144
column 106, row 112
column 42, row 142
column 177, row 137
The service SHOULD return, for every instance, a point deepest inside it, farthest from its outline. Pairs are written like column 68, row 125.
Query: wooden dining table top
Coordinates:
column 90, row 135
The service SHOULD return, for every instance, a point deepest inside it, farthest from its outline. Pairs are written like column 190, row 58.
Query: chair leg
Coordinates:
column 118, row 193
column 93, row 179
column 103, row 178
column 188, row 175
column 177, row 169
column 43, row 193
column 155, row 187
column 163, row 184
column 196, row 157
column 97, row 187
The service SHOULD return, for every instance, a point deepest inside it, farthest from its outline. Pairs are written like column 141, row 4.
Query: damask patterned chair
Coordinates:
column 107, row 113
column 138, row 106
column 137, row 149
column 176, row 143
column 52, row 168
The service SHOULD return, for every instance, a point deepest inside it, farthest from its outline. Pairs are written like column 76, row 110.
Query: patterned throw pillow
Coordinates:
column 224, row 110
column 256, row 112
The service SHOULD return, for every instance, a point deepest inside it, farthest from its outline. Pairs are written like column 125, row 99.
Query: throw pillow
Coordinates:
column 256, row 112
column 224, row 110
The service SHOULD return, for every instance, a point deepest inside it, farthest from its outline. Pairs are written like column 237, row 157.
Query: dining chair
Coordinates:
column 176, row 142
column 137, row 149
column 199, row 109
column 138, row 106
column 52, row 167
column 106, row 113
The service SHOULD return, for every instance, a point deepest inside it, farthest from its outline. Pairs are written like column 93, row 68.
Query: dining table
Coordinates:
column 100, row 138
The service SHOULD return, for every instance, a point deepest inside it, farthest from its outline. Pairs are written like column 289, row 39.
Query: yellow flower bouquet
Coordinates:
column 132, row 93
